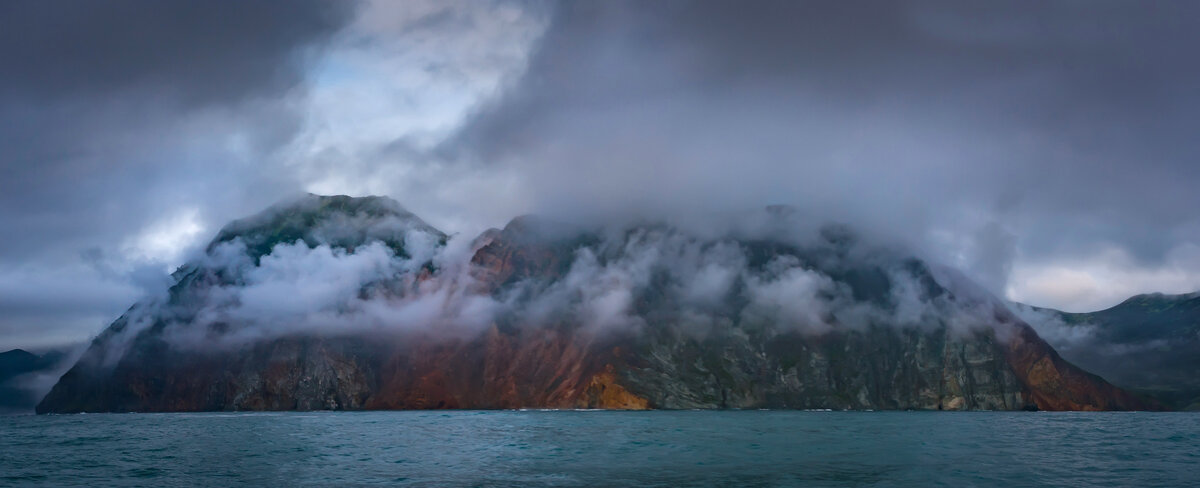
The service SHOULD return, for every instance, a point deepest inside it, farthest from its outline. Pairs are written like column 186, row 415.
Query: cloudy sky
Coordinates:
column 1048, row 149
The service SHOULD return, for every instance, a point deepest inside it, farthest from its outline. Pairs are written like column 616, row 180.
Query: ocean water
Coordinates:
column 574, row 448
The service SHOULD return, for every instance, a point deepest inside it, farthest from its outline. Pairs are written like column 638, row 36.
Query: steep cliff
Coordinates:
column 548, row 316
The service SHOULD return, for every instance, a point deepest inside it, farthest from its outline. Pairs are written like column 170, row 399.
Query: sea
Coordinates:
column 602, row 448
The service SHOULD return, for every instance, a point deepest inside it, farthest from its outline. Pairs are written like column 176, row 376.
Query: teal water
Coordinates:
column 565, row 448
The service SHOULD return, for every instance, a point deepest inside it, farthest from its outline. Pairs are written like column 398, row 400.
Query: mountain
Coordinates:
column 354, row 303
column 1148, row 343
column 18, row 363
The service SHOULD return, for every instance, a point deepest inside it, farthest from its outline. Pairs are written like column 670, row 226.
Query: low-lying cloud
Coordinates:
column 331, row 291
column 627, row 279
column 387, row 275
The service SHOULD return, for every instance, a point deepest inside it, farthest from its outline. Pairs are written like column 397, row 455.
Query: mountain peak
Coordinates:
column 1154, row 300
column 337, row 220
column 16, row 353
column 16, row 359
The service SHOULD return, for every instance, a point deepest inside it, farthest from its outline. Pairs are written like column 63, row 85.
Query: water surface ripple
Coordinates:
column 568, row 448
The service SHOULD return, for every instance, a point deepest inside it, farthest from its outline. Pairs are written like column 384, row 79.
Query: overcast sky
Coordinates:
column 1048, row 149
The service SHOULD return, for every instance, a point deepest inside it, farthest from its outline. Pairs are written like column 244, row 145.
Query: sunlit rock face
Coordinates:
column 353, row 303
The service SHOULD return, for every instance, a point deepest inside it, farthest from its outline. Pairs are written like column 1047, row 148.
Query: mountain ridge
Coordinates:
column 542, row 315
column 1149, row 343
column 16, row 366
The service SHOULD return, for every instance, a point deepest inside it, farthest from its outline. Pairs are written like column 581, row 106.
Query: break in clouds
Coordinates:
column 1042, row 148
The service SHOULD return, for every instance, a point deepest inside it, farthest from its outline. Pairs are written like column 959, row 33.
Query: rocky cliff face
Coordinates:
column 543, row 316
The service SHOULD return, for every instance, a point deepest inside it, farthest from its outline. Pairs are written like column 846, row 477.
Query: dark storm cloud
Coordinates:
column 94, row 97
column 199, row 51
column 999, row 138
column 991, row 130
column 116, row 115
